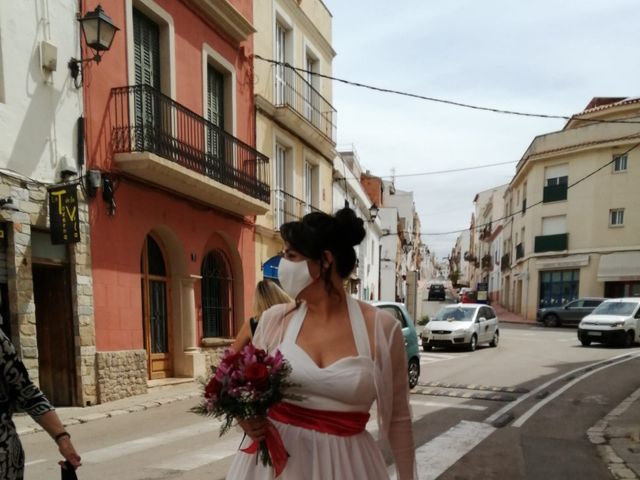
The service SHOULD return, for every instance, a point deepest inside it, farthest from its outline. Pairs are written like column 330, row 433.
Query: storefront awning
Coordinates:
column 270, row 267
column 619, row 267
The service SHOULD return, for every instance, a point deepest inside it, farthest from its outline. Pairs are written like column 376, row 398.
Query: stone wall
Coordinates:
column 121, row 374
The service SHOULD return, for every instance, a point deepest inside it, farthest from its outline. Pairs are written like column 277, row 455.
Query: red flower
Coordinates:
column 212, row 389
column 257, row 374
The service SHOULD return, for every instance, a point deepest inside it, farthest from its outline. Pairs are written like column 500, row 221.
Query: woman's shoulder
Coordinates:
column 277, row 312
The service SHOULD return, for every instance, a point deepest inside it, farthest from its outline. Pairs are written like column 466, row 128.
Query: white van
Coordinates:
column 614, row 321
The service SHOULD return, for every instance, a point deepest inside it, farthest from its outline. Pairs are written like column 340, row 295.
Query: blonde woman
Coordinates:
column 267, row 294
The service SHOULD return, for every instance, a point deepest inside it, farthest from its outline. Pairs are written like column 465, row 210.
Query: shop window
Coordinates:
column 558, row 287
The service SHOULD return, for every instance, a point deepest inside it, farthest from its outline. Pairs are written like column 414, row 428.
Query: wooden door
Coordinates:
column 54, row 327
column 155, row 311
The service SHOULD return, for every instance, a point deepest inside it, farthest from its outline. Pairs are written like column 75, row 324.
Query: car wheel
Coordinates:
column 628, row 339
column 496, row 339
column 426, row 347
column 473, row 343
column 414, row 372
column 551, row 320
column 585, row 342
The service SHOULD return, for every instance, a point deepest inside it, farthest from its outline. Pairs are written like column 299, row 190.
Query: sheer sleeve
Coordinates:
column 20, row 389
column 393, row 395
column 271, row 326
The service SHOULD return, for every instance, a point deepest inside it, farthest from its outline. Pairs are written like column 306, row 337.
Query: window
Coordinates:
column 310, row 98
column 215, row 115
column 616, row 217
column 279, row 186
column 558, row 287
column 620, row 163
column 284, row 77
column 216, row 296
column 556, row 175
column 554, row 225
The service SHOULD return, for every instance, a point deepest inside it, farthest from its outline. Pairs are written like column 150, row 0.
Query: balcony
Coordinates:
column 162, row 142
column 554, row 193
column 519, row 251
column 505, row 262
column 287, row 208
column 551, row 243
column 298, row 106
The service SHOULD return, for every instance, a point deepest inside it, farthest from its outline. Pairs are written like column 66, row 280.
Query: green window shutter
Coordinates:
column 215, row 115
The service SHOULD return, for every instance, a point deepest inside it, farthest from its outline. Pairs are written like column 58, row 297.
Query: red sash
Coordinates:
column 343, row 424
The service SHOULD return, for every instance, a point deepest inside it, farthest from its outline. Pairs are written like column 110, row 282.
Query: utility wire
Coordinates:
column 528, row 207
column 441, row 100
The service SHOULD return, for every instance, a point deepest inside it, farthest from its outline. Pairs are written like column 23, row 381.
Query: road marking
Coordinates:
column 542, row 387
column 34, row 462
column 140, row 444
column 524, row 417
column 203, row 456
column 431, row 403
column 438, row 455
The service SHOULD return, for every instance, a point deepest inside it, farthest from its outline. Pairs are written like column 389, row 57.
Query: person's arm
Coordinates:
column 243, row 337
column 53, row 426
column 400, row 427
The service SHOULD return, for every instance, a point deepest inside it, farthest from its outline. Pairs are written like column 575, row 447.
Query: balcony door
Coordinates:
column 280, row 187
column 155, row 310
column 215, row 115
column 146, row 52
column 280, row 70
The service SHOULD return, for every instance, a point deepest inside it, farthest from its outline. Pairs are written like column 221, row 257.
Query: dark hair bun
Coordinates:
column 350, row 226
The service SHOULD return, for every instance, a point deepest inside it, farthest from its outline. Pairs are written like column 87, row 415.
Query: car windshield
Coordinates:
column 459, row 314
column 615, row 308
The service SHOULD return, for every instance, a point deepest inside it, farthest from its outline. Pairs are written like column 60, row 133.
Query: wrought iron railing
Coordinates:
column 148, row 121
column 287, row 208
column 293, row 90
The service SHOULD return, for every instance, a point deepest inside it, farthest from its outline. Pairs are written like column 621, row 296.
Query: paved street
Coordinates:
column 458, row 407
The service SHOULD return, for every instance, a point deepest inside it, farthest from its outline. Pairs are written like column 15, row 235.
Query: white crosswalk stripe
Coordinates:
column 426, row 358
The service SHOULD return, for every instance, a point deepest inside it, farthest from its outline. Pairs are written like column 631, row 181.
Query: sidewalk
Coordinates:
column 507, row 316
column 159, row 393
column 617, row 437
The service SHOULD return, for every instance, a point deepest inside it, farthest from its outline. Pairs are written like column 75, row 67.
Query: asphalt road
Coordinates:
column 518, row 411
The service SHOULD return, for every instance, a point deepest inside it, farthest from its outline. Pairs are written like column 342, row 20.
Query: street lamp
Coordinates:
column 98, row 31
column 373, row 212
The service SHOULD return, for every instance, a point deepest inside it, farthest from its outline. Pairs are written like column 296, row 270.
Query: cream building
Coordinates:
column 574, row 203
column 295, row 120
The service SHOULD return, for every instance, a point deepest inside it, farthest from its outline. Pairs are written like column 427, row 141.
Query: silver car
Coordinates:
column 463, row 324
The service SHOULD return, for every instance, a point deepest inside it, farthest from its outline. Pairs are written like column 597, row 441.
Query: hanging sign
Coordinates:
column 63, row 214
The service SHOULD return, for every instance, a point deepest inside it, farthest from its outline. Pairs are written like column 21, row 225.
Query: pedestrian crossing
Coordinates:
column 427, row 358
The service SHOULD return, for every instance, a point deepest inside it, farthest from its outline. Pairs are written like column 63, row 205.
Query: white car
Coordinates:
column 614, row 321
column 463, row 324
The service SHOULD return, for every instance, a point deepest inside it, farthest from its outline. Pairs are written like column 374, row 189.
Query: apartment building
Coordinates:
column 348, row 190
column 295, row 118
column 171, row 132
column 576, row 211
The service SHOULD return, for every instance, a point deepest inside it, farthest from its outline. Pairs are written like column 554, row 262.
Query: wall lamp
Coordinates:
column 98, row 31
column 373, row 212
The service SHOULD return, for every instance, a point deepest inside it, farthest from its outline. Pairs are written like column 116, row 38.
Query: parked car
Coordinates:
column 614, row 321
column 436, row 292
column 399, row 311
column 569, row 313
column 468, row 296
column 463, row 324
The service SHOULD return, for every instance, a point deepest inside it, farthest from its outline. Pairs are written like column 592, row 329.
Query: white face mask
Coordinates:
column 294, row 276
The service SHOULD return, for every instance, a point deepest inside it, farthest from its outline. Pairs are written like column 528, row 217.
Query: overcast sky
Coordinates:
column 542, row 56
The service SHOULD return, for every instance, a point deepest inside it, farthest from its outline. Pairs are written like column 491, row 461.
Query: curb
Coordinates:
column 601, row 434
column 90, row 417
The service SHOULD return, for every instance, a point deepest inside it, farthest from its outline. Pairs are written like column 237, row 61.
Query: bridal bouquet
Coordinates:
column 246, row 384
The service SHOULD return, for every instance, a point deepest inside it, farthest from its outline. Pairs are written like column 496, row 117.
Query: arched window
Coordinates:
column 216, row 296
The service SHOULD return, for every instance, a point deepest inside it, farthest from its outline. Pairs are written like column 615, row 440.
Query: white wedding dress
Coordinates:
column 344, row 386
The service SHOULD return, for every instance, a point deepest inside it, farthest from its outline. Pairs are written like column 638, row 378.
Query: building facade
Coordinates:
column 295, row 119
column 575, row 210
column 171, row 134
column 45, row 273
